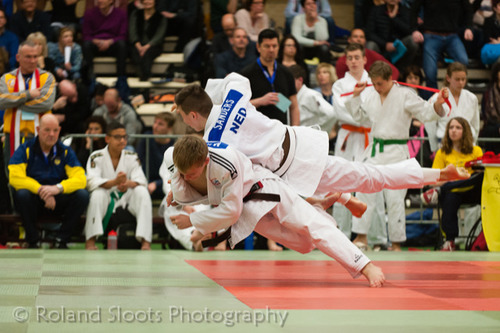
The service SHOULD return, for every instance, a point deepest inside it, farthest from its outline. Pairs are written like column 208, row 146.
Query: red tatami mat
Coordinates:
column 435, row 285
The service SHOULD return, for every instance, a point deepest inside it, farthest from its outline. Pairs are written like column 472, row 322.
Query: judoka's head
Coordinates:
column 355, row 58
column 299, row 75
column 268, row 46
column 194, row 106
column 48, row 132
column 190, row 157
column 116, row 137
column 456, row 77
column 381, row 76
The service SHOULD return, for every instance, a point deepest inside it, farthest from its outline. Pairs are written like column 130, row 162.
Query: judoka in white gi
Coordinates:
column 223, row 177
column 116, row 173
column 353, row 137
column 299, row 155
column 390, row 108
column 463, row 104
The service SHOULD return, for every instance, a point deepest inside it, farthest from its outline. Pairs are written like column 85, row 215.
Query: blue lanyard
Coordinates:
column 266, row 73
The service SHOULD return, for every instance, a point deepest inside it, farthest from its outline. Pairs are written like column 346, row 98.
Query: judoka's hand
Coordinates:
column 120, row 178
column 181, row 221
column 358, row 88
column 442, row 96
column 170, row 200
column 188, row 209
column 50, row 203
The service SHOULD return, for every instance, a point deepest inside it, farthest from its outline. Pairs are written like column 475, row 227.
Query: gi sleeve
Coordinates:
column 354, row 106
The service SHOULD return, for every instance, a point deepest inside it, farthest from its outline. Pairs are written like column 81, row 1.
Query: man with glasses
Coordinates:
column 115, row 179
column 220, row 42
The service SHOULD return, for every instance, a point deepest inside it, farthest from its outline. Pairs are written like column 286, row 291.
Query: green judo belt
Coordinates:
column 382, row 142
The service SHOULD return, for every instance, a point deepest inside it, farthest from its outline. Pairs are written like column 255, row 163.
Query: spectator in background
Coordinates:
column 146, row 32
column 157, row 146
column 98, row 98
column 220, row 42
column 442, row 22
column 388, row 30
column 182, row 16
column 105, row 33
column 358, row 36
column 84, row 147
column 311, row 31
column 43, row 60
column 242, row 54
column 491, row 50
column 29, row 19
column 325, row 78
column 268, row 78
column 8, row 40
column 114, row 109
column 67, row 55
column 72, row 106
column 219, row 8
column 253, row 18
column 64, row 15
column 290, row 53
column 491, row 111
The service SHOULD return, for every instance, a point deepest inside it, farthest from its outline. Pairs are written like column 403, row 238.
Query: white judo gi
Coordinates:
column 390, row 121
column 291, row 221
column 352, row 139
column 137, row 200
column 467, row 107
column 314, row 110
column 308, row 168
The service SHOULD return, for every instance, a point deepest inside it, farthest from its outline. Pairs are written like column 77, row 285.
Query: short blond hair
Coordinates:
column 190, row 150
column 329, row 68
column 38, row 37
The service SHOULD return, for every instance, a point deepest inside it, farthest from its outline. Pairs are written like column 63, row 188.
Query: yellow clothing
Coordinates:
column 458, row 159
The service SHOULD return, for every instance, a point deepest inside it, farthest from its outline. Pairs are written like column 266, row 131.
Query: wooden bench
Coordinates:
column 153, row 84
column 148, row 111
column 107, row 65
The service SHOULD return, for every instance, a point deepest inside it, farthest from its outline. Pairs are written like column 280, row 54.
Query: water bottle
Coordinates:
column 112, row 240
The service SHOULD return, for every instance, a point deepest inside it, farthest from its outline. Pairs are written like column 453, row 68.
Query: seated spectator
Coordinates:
column 325, row 78
column 72, row 106
column 443, row 20
column 253, row 18
column 43, row 60
column 413, row 74
column 115, row 179
column 157, row 146
column 29, row 19
column 8, row 40
column 85, row 146
column 98, row 99
column 362, row 10
column 311, row 31
column 388, row 29
column 293, row 8
column 64, row 15
column 105, row 34
column 67, row 55
column 463, row 104
column 491, row 111
column 358, row 36
column 122, row 4
column 457, row 149
column 220, row 42
column 218, row 9
column 146, row 32
column 181, row 19
column 290, row 53
column 242, row 54
column 491, row 50
column 47, row 177
column 114, row 109
column 314, row 110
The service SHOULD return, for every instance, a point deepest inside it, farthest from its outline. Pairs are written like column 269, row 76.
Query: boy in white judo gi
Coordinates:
column 390, row 108
column 227, row 179
column 115, row 179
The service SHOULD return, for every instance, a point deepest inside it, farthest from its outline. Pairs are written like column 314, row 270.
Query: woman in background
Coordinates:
column 67, row 55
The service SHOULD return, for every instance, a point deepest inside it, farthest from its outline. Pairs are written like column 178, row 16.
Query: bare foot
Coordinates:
column 451, row 172
column 221, row 246
column 325, row 202
column 272, row 246
column 396, row 247
column 90, row 244
column 146, row 246
column 356, row 206
column 374, row 275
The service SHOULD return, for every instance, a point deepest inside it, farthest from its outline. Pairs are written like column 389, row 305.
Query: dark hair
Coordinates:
column 380, row 69
column 248, row 3
column 100, row 89
column 494, row 3
column 452, row 68
column 267, row 34
column 97, row 119
column 415, row 70
column 194, row 98
column 167, row 116
column 494, row 72
column 114, row 125
column 466, row 142
column 354, row 47
column 303, row 2
column 297, row 71
column 299, row 57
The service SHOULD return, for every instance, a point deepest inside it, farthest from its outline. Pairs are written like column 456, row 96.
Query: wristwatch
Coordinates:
column 60, row 187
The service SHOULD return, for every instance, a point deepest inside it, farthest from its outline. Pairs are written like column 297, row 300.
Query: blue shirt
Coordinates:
column 10, row 41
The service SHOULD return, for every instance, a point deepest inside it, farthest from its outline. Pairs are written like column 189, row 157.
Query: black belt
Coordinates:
column 250, row 196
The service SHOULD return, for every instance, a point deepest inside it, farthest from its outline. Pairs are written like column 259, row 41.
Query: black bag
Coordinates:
column 124, row 223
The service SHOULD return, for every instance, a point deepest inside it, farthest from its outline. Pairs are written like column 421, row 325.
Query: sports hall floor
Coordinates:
column 244, row 291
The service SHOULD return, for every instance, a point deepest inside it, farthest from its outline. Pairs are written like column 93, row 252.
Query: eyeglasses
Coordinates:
column 119, row 137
